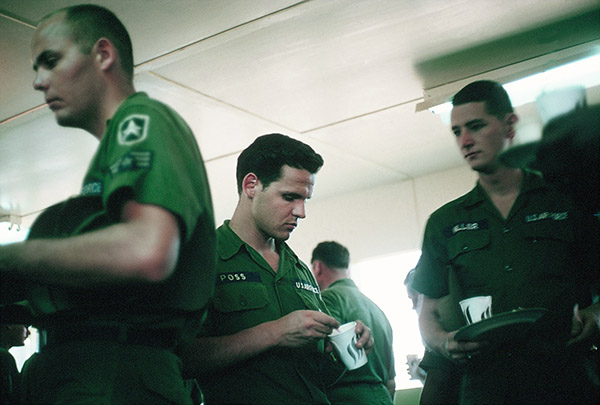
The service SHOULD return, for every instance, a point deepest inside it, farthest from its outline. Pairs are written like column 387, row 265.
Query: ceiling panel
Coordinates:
column 398, row 139
column 220, row 129
column 343, row 75
column 16, row 74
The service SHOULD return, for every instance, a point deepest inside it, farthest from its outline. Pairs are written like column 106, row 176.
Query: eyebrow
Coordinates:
column 469, row 123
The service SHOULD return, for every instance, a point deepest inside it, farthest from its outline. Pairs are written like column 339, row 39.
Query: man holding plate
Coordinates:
column 516, row 239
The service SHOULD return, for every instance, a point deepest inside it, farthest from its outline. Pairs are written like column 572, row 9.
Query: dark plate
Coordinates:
column 500, row 327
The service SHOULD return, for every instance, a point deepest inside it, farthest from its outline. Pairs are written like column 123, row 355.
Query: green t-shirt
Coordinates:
column 149, row 154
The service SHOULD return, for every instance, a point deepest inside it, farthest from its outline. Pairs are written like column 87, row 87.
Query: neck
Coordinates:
column 503, row 181
column 111, row 100
column 332, row 276
column 250, row 234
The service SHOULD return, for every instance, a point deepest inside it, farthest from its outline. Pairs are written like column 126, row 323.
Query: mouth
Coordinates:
column 52, row 102
column 470, row 155
column 290, row 226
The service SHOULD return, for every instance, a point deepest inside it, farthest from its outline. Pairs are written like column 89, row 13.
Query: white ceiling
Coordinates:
column 344, row 76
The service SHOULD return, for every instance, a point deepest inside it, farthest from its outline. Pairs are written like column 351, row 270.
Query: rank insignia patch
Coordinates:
column 139, row 160
column 133, row 129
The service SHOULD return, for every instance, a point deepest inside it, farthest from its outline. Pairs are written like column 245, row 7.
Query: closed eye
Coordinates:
column 290, row 197
column 47, row 60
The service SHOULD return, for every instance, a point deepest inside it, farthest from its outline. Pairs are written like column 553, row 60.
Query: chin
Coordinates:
column 283, row 237
column 64, row 120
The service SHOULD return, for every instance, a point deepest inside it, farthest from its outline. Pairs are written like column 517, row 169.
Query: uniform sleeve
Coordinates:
column 431, row 273
column 153, row 158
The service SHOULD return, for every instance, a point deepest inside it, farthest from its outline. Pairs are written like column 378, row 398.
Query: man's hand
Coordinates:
column 299, row 328
column 586, row 324
column 459, row 352
column 438, row 340
column 365, row 339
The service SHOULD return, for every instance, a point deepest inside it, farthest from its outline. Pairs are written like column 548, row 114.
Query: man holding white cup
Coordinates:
column 263, row 340
column 514, row 238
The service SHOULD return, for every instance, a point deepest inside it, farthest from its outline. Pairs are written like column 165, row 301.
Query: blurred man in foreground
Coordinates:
column 119, row 275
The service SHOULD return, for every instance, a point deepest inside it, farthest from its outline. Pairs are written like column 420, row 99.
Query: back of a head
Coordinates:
column 497, row 101
column 332, row 254
column 267, row 155
column 88, row 23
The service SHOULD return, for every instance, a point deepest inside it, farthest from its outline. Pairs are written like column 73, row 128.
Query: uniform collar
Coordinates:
column 125, row 103
column 229, row 244
column 343, row 282
column 531, row 181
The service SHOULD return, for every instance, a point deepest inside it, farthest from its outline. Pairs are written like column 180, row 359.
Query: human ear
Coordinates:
column 510, row 120
column 250, row 184
column 106, row 54
column 317, row 267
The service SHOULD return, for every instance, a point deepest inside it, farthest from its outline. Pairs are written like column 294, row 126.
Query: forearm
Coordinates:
column 432, row 332
column 207, row 354
column 391, row 386
column 143, row 248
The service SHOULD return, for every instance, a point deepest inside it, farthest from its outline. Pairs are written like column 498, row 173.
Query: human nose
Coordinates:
column 40, row 81
column 465, row 139
column 299, row 210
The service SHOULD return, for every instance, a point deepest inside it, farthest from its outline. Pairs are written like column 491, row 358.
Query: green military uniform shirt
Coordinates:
column 149, row 154
column 523, row 261
column 367, row 384
column 248, row 292
column 528, row 260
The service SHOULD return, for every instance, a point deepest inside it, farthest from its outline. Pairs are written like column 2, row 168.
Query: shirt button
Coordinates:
column 243, row 301
column 508, row 268
column 465, row 248
column 506, row 230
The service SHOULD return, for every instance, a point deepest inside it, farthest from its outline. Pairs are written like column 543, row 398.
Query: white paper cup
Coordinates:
column 476, row 309
column 344, row 340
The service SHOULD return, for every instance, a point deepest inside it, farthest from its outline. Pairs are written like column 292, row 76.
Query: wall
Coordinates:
column 381, row 220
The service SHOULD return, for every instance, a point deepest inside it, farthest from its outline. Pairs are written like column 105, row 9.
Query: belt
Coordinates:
column 123, row 335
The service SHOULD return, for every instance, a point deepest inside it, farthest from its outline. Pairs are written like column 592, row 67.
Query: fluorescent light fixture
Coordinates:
column 584, row 72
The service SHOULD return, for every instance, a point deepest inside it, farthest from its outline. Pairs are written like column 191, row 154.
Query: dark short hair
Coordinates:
column 88, row 23
column 497, row 102
column 267, row 155
column 332, row 254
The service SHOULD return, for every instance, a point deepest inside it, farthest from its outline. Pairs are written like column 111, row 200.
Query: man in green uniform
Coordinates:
column 515, row 238
column 121, row 274
column 374, row 382
column 263, row 340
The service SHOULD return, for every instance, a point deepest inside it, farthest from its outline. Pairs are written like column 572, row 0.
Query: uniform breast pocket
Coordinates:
column 552, row 243
column 241, row 296
column 469, row 257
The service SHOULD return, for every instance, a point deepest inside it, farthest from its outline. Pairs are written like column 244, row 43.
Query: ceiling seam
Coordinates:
column 183, row 86
column 331, row 124
column 220, row 33
column 14, row 19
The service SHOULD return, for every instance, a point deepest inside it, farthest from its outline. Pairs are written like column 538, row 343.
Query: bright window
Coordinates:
column 382, row 280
